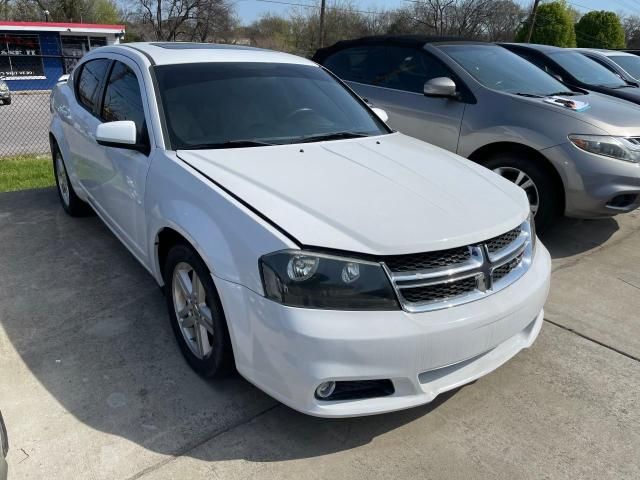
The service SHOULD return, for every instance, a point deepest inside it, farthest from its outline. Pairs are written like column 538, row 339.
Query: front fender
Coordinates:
column 227, row 235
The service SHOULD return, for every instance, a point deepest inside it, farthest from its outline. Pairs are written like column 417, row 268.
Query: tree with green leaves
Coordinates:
column 600, row 29
column 554, row 25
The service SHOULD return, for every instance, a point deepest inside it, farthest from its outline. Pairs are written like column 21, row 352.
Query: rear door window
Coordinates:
column 359, row 64
column 89, row 81
column 408, row 69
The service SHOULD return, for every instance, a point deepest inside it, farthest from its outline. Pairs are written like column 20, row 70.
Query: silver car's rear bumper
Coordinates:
column 595, row 186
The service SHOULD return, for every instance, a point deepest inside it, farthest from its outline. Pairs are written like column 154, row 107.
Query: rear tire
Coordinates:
column 196, row 313
column 71, row 203
column 537, row 182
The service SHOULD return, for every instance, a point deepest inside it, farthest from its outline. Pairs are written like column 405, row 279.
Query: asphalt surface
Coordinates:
column 24, row 125
column 92, row 384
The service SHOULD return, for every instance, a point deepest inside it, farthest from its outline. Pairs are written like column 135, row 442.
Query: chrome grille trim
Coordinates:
column 508, row 263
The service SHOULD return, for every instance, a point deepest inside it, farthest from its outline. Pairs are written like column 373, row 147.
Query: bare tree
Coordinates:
column 504, row 22
column 189, row 20
column 631, row 26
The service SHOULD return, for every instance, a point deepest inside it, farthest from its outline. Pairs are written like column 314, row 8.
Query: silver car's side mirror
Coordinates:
column 440, row 87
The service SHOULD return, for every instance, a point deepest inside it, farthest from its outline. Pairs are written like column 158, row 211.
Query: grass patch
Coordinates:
column 26, row 171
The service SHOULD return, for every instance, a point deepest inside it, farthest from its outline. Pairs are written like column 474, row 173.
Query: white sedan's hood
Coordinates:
column 382, row 195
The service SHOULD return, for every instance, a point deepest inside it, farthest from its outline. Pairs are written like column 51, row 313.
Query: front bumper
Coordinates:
column 288, row 352
column 592, row 182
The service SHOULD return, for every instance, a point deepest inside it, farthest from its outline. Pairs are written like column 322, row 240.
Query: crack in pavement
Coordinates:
column 591, row 339
column 209, row 437
column 629, row 283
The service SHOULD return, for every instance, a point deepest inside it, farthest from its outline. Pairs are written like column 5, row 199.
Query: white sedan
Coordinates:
column 343, row 268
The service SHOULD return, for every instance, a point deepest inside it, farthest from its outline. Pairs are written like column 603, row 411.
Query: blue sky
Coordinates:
column 250, row 10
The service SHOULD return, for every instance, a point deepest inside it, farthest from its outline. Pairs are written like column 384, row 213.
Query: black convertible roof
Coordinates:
column 404, row 40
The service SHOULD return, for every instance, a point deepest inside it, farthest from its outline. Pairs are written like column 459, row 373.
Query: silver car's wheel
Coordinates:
column 195, row 318
column 63, row 184
column 525, row 182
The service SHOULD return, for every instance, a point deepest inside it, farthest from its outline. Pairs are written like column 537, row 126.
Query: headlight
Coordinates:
column 614, row 147
column 314, row 280
column 3, row 87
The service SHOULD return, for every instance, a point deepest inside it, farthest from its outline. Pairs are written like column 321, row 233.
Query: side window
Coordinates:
column 408, row 69
column 122, row 98
column 540, row 63
column 358, row 64
column 603, row 63
column 89, row 80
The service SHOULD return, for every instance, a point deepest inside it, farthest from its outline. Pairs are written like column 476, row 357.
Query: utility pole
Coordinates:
column 322, row 9
column 532, row 20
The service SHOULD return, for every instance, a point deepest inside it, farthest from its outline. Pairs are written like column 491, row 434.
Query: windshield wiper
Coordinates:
column 227, row 144
column 567, row 93
column 330, row 136
column 618, row 87
column 531, row 95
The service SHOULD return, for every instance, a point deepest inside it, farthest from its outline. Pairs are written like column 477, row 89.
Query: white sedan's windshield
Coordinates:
column 226, row 105
column 499, row 69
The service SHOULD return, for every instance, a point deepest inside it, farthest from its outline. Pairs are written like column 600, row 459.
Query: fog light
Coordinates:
column 325, row 389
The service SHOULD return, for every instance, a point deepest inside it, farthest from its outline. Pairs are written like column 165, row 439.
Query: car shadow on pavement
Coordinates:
column 570, row 236
column 90, row 325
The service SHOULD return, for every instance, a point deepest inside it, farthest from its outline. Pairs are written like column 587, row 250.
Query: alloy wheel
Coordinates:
column 63, row 184
column 525, row 182
column 194, row 316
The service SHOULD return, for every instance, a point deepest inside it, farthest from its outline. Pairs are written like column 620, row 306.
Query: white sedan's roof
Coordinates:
column 167, row 53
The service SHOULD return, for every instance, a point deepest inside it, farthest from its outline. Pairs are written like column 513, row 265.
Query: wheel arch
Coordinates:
column 166, row 238
column 482, row 154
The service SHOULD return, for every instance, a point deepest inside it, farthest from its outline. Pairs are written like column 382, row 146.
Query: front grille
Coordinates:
column 504, row 270
column 498, row 243
column 433, row 280
column 439, row 292
column 425, row 261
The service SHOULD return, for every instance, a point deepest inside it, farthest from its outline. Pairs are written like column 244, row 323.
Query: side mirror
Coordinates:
column 382, row 115
column 440, row 87
column 120, row 134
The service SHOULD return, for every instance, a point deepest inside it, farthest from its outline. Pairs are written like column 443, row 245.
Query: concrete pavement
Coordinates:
column 92, row 384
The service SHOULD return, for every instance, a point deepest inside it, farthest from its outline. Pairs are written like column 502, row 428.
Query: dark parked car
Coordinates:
column 5, row 93
column 625, row 65
column 576, row 70
column 4, row 448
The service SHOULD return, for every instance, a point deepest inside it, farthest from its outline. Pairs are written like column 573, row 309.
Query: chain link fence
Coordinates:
column 30, row 65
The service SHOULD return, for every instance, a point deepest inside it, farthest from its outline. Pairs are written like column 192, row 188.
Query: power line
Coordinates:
column 317, row 7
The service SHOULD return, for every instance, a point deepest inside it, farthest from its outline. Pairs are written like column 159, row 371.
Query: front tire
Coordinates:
column 196, row 313
column 535, row 180
column 71, row 203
